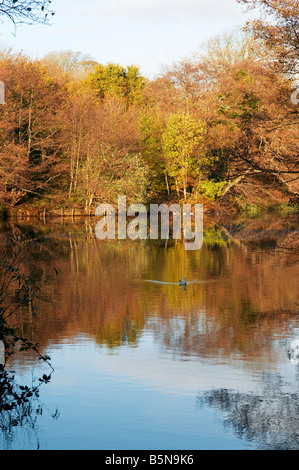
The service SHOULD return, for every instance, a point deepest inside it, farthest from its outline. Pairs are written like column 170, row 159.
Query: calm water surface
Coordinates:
column 147, row 365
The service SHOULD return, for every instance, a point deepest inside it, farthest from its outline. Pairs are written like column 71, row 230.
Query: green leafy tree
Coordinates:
column 182, row 148
column 115, row 79
column 152, row 126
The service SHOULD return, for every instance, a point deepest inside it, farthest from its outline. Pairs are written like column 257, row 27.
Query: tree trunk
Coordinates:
column 167, row 184
column 177, row 187
column 185, row 190
column 30, row 126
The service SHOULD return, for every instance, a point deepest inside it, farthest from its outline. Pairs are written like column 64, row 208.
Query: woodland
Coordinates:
column 219, row 128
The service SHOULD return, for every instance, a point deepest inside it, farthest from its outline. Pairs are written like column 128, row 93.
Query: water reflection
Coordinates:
column 270, row 418
column 20, row 409
column 98, row 289
column 293, row 351
column 237, row 316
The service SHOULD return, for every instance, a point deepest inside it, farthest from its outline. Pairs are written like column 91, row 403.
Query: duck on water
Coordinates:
column 183, row 283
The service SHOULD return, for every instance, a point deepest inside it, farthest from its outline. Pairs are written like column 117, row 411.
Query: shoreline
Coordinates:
column 216, row 210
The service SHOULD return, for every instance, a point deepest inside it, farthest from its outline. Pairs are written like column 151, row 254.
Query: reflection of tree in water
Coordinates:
column 97, row 289
column 20, row 409
column 270, row 418
column 20, row 406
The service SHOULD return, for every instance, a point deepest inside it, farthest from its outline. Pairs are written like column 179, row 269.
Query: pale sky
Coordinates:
column 148, row 33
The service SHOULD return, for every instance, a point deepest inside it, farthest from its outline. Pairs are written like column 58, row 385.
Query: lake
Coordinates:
column 141, row 363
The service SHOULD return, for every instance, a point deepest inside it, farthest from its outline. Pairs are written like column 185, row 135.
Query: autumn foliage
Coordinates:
column 219, row 127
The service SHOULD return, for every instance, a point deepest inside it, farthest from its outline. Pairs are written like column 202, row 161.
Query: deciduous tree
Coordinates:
column 182, row 143
column 278, row 26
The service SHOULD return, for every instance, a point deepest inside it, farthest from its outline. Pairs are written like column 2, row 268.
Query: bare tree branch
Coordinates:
column 26, row 11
